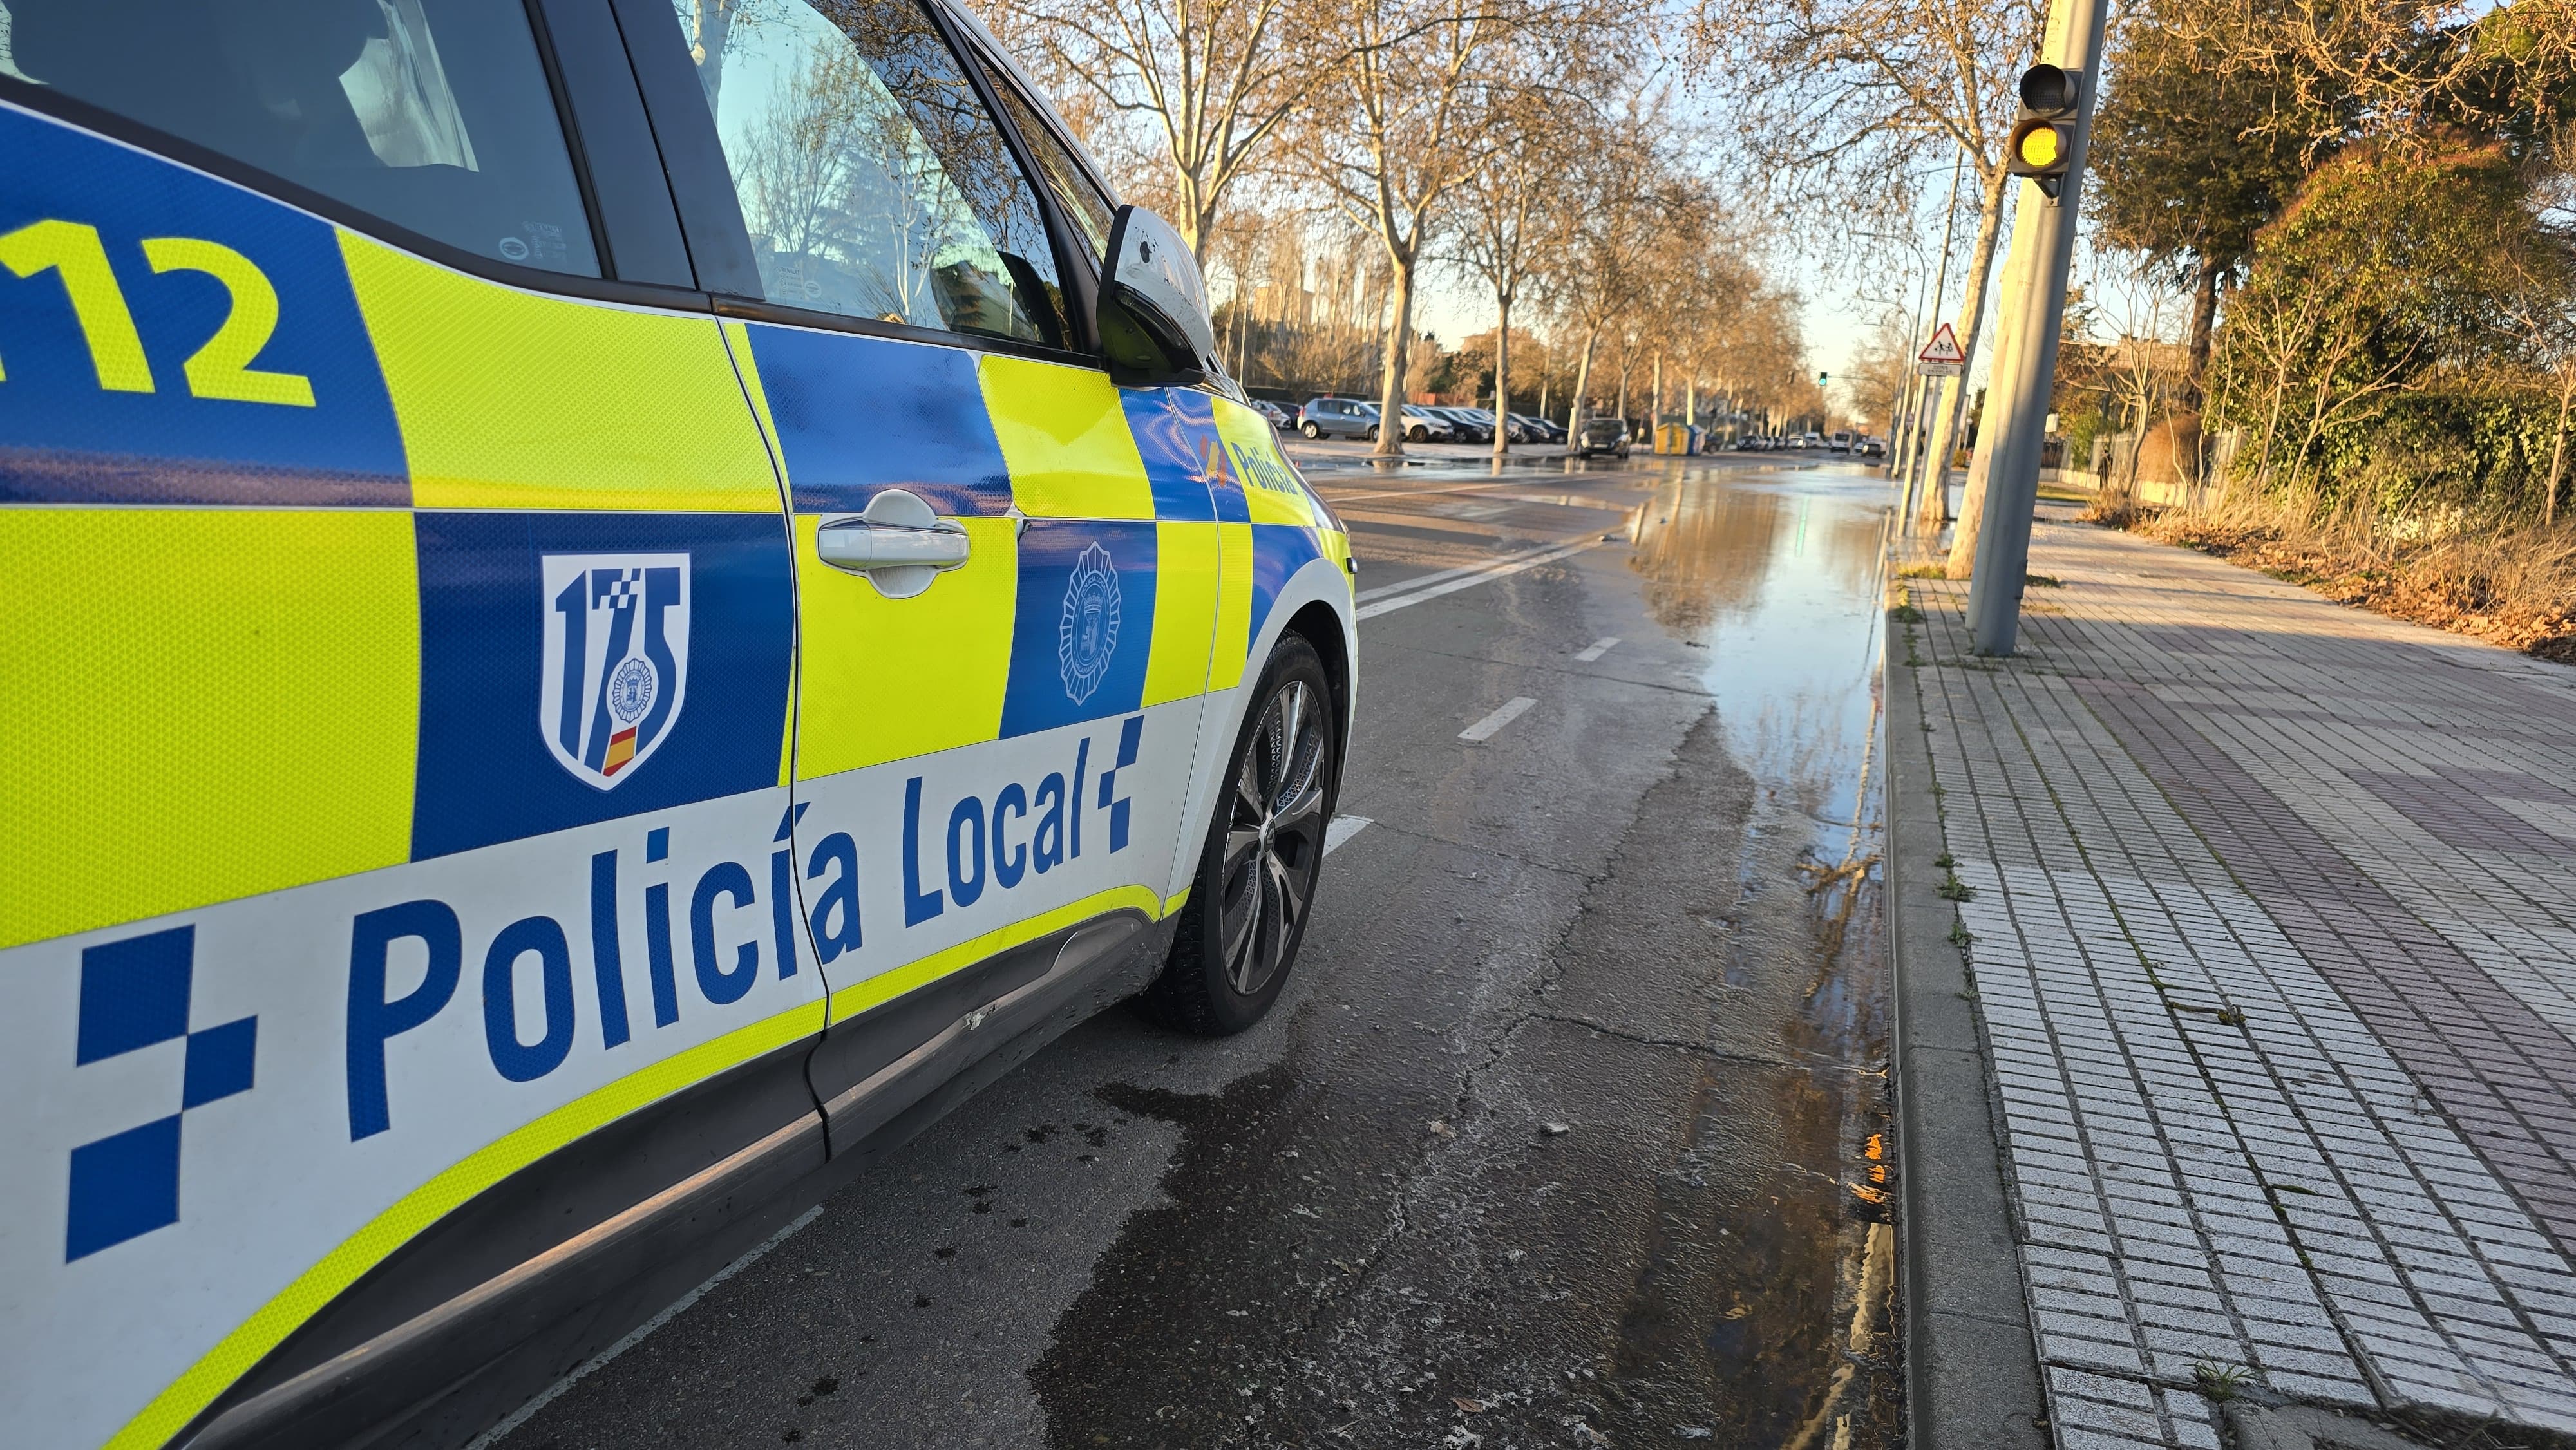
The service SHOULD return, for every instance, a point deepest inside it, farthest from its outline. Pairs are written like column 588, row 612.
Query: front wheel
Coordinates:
column 1372, row 433
column 1246, row 916
column 1311, row 431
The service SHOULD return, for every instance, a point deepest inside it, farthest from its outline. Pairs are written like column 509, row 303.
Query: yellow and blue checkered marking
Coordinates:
column 135, row 994
column 853, row 415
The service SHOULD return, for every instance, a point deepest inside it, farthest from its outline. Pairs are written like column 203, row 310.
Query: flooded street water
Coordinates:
column 1779, row 573
column 1571, row 1129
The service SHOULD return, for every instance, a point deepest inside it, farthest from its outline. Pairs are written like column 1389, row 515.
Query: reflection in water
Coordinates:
column 1633, row 1180
column 1704, row 549
column 1779, row 576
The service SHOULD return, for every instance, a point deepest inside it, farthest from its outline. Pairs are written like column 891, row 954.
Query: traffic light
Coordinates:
column 2043, row 137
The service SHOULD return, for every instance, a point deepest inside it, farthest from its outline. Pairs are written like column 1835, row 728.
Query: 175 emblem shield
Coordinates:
column 616, row 662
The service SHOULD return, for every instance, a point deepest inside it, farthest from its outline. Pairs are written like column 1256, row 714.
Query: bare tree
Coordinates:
column 1610, row 213
column 1213, row 83
column 1510, row 222
column 1879, row 375
column 1406, row 142
column 1841, row 96
column 1701, row 285
column 2540, row 302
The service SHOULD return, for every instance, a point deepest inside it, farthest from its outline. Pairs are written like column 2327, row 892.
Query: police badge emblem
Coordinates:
column 616, row 661
column 1088, row 634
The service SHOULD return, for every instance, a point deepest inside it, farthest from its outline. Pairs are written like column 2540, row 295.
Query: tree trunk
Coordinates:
column 2558, row 451
column 1503, row 375
column 1945, row 417
column 1903, row 443
column 2204, row 317
column 2001, row 372
column 1399, row 346
column 710, row 27
column 1582, row 389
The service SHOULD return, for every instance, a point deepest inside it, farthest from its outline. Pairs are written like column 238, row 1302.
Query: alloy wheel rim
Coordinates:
column 1274, row 838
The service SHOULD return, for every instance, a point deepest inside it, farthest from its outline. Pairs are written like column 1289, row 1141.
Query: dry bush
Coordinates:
column 2117, row 509
column 2511, row 586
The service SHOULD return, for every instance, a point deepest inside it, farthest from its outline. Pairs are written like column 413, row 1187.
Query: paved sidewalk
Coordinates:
column 2273, row 907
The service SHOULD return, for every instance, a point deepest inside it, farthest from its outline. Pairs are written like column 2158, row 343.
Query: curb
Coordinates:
column 1972, row 1376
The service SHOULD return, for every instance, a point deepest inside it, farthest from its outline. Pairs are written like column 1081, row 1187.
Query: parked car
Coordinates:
column 1421, row 425
column 1603, row 435
column 1338, row 418
column 445, row 772
column 1280, row 418
column 1470, row 422
column 1535, row 429
column 1873, row 447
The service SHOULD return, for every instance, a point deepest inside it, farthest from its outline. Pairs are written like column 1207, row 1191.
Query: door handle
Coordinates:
column 896, row 544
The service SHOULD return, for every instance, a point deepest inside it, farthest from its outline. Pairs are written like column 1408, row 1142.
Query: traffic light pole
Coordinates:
column 2019, row 402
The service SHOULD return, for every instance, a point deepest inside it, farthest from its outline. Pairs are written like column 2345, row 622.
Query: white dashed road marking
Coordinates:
column 1341, row 830
column 1599, row 647
column 1484, row 729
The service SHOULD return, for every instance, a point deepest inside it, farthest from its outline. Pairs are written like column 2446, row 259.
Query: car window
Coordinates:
column 433, row 114
column 872, row 180
column 1064, row 176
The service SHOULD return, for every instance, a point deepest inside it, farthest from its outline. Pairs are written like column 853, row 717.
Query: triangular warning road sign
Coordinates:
column 1943, row 349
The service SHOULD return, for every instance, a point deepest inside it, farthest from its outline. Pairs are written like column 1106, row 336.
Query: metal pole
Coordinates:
column 1902, row 445
column 2048, row 226
column 1940, row 298
column 1905, row 391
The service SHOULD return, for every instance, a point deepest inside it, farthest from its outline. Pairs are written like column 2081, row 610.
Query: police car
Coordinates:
column 608, row 606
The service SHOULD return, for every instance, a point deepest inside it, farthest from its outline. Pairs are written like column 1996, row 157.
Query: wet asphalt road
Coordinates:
column 1567, row 1131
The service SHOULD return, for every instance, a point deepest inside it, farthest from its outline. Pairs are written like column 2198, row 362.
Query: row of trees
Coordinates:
column 2372, row 212
column 1851, row 113
column 2339, row 233
column 1326, row 159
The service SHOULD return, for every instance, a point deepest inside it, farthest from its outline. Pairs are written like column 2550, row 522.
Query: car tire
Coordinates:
column 1371, row 434
column 1310, row 430
column 1254, row 889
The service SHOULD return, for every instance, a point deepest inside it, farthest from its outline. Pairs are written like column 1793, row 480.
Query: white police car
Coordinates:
column 604, row 613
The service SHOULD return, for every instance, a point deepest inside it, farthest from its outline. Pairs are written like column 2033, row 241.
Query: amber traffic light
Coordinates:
column 2039, row 147
column 2043, row 136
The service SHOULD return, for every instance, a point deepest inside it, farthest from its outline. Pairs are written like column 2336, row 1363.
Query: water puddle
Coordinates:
column 1778, row 573
column 1625, row 1186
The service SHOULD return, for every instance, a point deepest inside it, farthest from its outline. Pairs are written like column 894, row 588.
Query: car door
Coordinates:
column 399, row 630
column 991, row 749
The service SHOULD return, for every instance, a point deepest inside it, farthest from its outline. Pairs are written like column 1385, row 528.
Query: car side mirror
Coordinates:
column 1153, row 306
